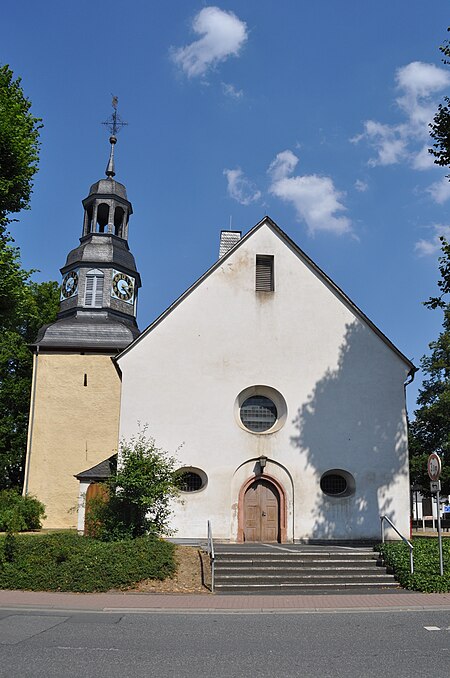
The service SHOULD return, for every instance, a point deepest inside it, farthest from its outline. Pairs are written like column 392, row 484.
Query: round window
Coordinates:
column 260, row 410
column 258, row 413
column 337, row 483
column 191, row 480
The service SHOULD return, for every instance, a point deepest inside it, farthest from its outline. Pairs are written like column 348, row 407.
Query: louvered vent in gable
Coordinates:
column 94, row 289
column 264, row 273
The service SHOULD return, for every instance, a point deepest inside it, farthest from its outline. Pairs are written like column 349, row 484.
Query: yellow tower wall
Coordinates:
column 74, row 425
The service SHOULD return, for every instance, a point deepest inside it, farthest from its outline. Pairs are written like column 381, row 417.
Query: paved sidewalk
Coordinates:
column 190, row 603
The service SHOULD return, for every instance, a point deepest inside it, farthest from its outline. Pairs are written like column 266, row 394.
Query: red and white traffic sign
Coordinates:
column 434, row 466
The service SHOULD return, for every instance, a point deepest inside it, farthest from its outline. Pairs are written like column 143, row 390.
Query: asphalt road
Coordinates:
column 231, row 645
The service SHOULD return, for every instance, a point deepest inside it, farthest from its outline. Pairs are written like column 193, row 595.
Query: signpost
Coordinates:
column 434, row 471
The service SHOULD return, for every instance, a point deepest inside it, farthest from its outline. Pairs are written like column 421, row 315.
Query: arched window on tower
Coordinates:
column 102, row 217
column 89, row 219
column 93, row 296
column 118, row 221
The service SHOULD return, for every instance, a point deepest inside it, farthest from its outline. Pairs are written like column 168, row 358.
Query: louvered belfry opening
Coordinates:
column 264, row 273
column 94, row 290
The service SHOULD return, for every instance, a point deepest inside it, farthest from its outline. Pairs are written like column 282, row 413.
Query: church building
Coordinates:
column 282, row 401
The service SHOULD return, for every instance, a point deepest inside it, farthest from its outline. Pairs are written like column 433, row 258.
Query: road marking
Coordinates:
column 96, row 649
column 432, row 628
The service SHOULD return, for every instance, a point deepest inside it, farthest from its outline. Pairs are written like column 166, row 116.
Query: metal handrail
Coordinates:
column 410, row 546
column 211, row 553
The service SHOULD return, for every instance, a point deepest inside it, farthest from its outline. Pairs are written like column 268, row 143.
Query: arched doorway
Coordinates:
column 262, row 512
column 278, row 493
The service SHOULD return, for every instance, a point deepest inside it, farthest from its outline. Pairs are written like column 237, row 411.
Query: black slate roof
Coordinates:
column 100, row 471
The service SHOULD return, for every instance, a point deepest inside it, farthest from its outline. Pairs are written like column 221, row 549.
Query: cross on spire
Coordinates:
column 114, row 124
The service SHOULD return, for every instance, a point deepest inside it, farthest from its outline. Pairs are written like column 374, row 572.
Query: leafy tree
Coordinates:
column 24, row 307
column 19, row 148
column 430, row 431
column 138, row 495
column 440, row 127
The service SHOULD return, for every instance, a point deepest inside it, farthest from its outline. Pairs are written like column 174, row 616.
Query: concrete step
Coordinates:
column 281, row 575
column 288, row 562
column 307, row 589
column 320, row 557
column 315, row 576
column 299, row 571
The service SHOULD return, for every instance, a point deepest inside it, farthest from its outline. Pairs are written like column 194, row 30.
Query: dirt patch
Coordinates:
column 192, row 575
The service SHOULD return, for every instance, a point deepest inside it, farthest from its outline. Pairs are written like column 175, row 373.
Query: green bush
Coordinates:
column 18, row 513
column 69, row 562
column 137, row 498
column 426, row 575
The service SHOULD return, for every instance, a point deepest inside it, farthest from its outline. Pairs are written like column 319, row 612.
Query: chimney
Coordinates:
column 228, row 239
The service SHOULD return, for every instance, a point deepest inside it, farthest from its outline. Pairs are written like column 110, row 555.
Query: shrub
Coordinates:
column 69, row 562
column 18, row 513
column 426, row 575
column 137, row 497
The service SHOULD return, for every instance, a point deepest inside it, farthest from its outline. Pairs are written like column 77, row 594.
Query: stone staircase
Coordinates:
column 299, row 569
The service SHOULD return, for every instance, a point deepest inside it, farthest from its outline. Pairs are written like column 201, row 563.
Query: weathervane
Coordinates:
column 114, row 124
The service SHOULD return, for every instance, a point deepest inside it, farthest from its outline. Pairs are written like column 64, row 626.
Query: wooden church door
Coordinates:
column 262, row 512
column 94, row 491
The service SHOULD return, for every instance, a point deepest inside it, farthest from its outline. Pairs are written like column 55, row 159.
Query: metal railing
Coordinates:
column 410, row 546
column 211, row 553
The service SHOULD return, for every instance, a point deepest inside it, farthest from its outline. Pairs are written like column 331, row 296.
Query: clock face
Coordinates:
column 122, row 287
column 69, row 285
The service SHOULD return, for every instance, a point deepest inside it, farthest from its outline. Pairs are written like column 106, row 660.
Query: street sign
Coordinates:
column 434, row 471
column 434, row 467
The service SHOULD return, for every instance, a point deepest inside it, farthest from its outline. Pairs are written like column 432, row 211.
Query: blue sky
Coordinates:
column 312, row 112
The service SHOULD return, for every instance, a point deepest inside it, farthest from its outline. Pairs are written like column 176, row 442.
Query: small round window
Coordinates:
column 191, row 480
column 337, row 483
column 258, row 413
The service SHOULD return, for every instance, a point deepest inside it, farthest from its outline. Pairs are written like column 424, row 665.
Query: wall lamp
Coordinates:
column 262, row 463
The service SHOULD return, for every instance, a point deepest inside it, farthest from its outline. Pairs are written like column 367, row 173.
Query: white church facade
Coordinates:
column 282, row 401
column 287, row 402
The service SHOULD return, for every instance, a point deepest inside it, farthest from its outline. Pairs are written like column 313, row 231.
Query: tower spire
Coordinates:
column 114, row 124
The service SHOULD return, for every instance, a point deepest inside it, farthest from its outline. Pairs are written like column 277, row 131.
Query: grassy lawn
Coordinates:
column 69, row 562
column 426, row 575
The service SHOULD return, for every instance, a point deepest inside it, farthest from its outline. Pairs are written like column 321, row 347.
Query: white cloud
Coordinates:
column 222, row 35
column 361, row 186
column 417, row 84
column 423, row 159
column 419, row 80
column 315, row 198
column 284, row 164
column 440, row 191
column 240, row 188
column 433, row 245
column 231, row 91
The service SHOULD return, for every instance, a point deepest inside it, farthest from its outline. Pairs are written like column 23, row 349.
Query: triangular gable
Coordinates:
column 306, row 259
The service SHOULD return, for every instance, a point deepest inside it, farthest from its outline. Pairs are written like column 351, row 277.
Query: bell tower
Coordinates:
column 100, row 281
column 74, row 412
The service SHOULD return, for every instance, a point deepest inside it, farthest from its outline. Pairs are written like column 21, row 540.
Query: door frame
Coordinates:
column 282, row 494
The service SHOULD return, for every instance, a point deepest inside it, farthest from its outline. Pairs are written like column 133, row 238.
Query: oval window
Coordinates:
column 336, row 483
column 191, row 480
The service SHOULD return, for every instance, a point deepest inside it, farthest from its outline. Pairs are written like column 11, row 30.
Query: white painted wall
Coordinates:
column 84, row 484
column 342, row 383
